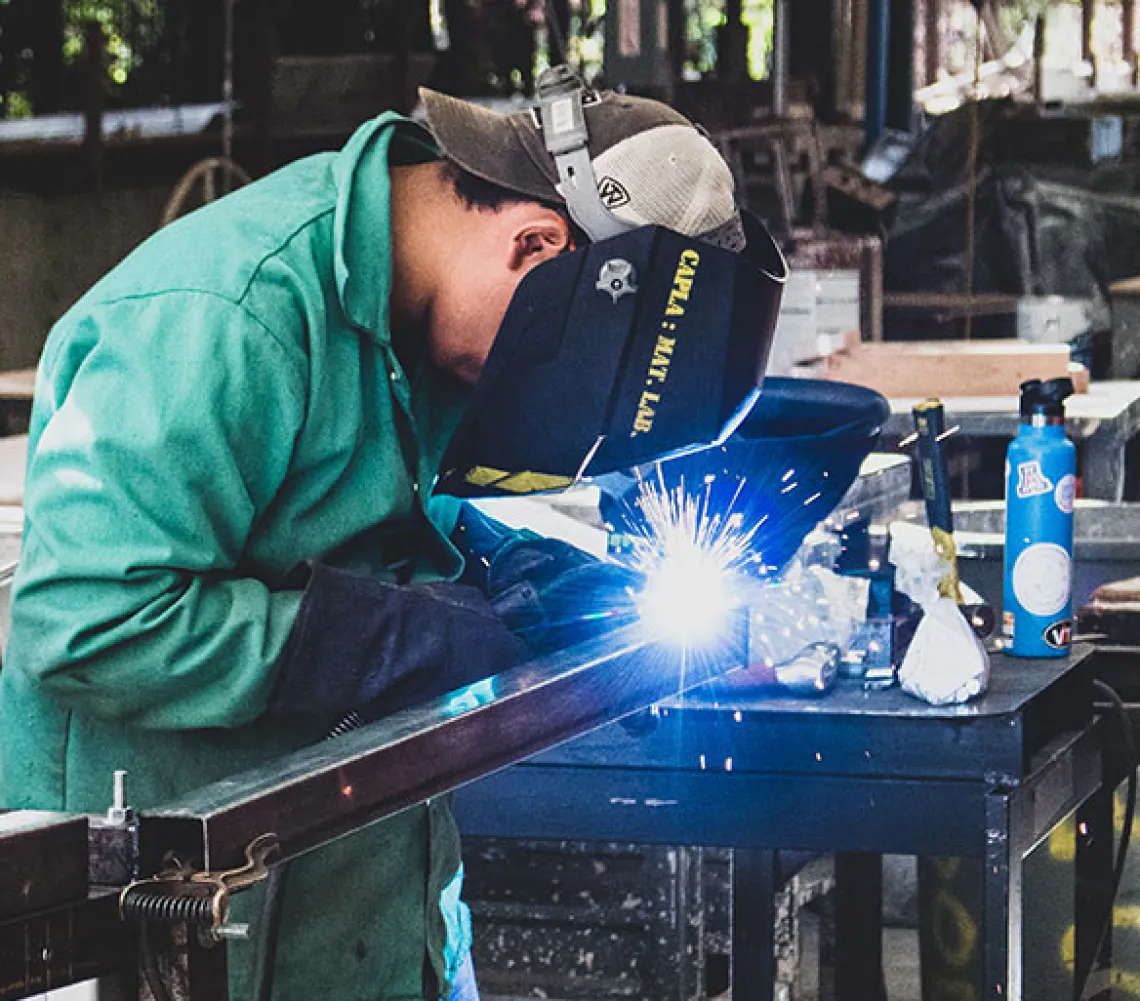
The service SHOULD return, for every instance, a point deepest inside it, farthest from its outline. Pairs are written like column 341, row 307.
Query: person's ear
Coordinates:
column 543, row 234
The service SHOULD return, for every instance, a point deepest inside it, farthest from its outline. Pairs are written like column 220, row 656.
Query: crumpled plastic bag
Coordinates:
column 808, row 605
column 946, row 663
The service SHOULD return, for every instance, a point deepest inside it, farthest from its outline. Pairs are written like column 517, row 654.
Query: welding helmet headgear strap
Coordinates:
column 561, row 111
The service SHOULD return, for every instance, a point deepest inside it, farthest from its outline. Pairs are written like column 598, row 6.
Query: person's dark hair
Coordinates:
column 482, row 195
column 477, row 193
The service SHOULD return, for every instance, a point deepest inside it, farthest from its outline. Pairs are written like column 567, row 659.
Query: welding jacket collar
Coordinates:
column 363, row 212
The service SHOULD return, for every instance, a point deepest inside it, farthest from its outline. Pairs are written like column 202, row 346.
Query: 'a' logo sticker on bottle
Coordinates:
column 1031, row 482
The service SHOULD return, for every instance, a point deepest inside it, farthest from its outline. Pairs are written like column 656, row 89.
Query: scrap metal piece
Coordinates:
column 322, row 792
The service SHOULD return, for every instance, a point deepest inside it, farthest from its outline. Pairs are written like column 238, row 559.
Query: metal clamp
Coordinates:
column 179, row 893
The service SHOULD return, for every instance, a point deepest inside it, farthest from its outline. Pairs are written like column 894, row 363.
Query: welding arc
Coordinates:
column 1116, row 703
column 265, row 947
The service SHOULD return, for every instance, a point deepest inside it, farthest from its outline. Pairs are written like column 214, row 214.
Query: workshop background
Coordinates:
column 957, row 188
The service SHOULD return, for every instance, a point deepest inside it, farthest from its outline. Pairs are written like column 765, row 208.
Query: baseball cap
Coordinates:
column 651, row 165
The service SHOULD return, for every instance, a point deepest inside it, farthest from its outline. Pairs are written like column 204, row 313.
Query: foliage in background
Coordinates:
column 706, row 18
column 492, row 47
column 130, row 27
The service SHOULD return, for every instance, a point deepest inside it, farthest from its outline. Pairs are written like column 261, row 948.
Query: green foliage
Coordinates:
column 706, row 17
column 17, row 105
column 142, row 17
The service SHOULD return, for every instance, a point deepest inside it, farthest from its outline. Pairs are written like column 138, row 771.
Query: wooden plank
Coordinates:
column 18, row 384
column 949, row 368
column 952, row 304
column 13, row 459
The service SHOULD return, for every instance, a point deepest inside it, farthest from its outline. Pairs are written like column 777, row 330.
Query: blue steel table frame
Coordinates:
column 856, row 772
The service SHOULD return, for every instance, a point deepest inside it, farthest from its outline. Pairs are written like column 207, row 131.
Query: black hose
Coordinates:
column 1081, row 977
column 273, row 903
column 268, row 927
column 153, row 975
column 554, row 30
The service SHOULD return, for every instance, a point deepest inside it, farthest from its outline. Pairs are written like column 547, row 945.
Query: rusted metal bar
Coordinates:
column 317, row 794
column 45, row 861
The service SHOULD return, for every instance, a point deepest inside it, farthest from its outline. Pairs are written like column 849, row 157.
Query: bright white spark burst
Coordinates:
column 691, row 559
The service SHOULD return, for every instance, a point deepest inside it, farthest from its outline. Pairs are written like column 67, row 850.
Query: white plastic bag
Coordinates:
column 808, row 605
column 946, row 663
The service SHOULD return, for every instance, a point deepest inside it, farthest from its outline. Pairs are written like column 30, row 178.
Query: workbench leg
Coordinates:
column 859, row 927
column 1001, row 902
column 1102, row 469
column 753, row 924
column 1096, row 838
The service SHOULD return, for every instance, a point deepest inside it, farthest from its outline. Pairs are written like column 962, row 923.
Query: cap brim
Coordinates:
column 486, row 144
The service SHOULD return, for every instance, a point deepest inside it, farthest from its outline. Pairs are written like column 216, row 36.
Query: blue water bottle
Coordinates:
column 1040, row 487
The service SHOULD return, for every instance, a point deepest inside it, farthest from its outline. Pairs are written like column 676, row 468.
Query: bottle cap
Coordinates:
column 1046, row 399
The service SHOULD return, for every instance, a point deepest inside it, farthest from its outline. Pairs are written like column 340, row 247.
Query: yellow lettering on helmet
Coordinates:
column 662, row 359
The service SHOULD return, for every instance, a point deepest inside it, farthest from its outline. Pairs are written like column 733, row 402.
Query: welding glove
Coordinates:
column 362, row 645
column 550, row 593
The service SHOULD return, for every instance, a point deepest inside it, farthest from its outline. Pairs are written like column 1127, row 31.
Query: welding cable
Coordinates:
column 554, row 33
column 151, row 972
column 268, row 929
column 1116, row 704
column 272, row 905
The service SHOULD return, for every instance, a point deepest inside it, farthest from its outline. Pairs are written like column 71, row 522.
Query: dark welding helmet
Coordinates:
column 635, row 348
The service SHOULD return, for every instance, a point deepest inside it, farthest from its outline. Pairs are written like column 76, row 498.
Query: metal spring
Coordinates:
column 160, row 907
column 352, row 721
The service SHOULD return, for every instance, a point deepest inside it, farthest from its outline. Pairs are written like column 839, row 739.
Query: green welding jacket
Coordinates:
column 222, row 406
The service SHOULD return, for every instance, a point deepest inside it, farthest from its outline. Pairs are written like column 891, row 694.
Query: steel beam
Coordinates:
column 45, row 861
column 319, row 793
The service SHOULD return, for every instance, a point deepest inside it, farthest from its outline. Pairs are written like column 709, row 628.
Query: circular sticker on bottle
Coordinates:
column 1042, row 577
column 1065, row 493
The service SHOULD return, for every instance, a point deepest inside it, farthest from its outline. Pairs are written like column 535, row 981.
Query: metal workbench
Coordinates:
column 1102, row 421
column 855, row 772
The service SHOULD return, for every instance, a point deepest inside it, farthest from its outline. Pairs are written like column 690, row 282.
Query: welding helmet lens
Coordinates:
column 632, row 349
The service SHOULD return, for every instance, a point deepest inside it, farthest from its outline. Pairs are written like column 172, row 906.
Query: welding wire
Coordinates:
column 268, row 930
column 269, row 921
column 151, row 972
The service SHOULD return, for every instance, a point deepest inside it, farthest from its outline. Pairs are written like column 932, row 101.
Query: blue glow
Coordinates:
column 687, row 598
column 691, row 559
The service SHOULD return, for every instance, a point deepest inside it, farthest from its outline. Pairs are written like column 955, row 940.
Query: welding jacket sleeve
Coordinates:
column 367, row 646
column 162, row 430
column 550, row 593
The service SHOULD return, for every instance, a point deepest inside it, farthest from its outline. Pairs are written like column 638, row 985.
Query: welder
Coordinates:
column 247, row 440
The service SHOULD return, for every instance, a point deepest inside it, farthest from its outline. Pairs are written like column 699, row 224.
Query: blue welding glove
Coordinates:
column 550, row 593
column 362, row 645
